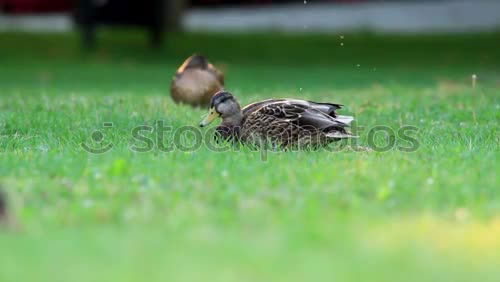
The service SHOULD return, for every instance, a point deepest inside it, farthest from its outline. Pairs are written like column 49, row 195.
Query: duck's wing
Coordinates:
column 194, row 62
column 201, row 63
column 250, row 108
column 327, row 108
column 218, row 74
column 301, row 114
column 306, row 115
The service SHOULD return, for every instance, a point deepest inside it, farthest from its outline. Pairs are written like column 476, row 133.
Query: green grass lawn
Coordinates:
column 428, row 215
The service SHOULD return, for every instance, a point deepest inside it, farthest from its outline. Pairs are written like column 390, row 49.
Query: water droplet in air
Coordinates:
column 358, row 65
column 300, row 89
column 342, row 44
column 305, row 2
column 341, row 37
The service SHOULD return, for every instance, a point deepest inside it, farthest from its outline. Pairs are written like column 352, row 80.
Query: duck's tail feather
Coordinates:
column 345, row 119
column 327, row 108
column 340, row 135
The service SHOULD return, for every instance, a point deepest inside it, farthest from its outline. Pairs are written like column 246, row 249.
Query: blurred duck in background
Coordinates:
column 196, row 81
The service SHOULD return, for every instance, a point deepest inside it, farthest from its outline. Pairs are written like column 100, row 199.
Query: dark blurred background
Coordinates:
column 23, row 6
column 160, row 16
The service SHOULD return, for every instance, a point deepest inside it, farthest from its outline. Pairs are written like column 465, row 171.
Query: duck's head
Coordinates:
column 194, row 62
column 223, row 105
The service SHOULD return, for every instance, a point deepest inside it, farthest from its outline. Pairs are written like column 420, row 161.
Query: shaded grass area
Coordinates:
column 430, row 215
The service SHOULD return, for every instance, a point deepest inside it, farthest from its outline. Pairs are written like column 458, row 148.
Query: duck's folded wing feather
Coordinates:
column 302, row 115
column 327, row 108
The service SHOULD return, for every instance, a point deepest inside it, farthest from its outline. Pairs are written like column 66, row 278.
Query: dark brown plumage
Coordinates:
column 283, row 122
column 196, row 81
column 3, row 207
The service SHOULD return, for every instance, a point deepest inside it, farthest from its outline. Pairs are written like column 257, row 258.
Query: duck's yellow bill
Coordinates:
column 209, row 118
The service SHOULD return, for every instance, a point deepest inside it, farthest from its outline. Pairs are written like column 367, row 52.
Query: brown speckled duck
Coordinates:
column 196, row 81
column 283, row 122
